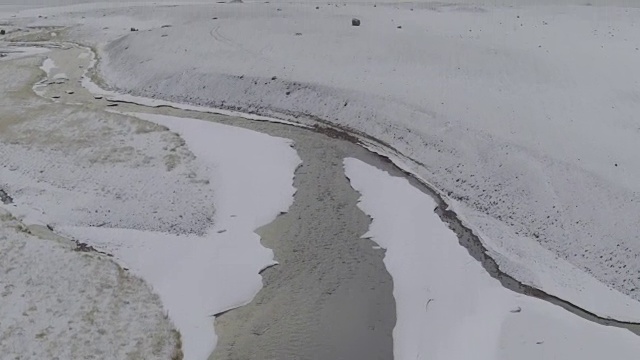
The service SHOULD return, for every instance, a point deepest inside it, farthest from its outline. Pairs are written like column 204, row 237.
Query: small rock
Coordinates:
column 70, row 92
column 97, row 97
column 55, row 97
column 215, row 18
column 399, row 27
column 164, row 35
column 298, row 34
column 165, row 26
column 355, row 22
column 3, row 32
column 317, row 7
column 274, row 78
column 540, row 342
column 134, row 29
column 112, row 104
column 5, row 198
column 516, row 310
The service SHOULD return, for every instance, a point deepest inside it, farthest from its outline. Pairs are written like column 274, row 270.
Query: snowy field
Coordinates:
column 454, row 309
column 524, row 117
column 197, row 277
column 173, row 201
column 57, row 302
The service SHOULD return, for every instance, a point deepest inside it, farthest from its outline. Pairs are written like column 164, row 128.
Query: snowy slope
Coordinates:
column 524, row 116
column 454, row 309
column 60, row 303
column 197, row 277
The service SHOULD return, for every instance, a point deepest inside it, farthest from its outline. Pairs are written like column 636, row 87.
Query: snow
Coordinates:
column 48, row 66
column 95, row 89
column 137, row 188
column 15, row 52
column 521, row 113
column 69, row 166
column 60, row 76
column 60, row 303
column 197, row 277
column 548, row 272
column 453, row 309
column 524, row 117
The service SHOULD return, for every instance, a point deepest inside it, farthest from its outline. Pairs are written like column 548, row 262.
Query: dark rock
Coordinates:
column 298, row 34
column 3, row 32
column 5, row 198
column 317, row 7
column 165, row 26
column 134, row 29
column 355, row 22
column 399, row 27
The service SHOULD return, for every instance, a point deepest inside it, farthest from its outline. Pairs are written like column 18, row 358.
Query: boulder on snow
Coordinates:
column 3, row 32
column 355, row 22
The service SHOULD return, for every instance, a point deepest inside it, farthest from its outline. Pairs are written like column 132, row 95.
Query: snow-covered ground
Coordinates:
column 523, row 115
column 142, row 188
column 197, row 277
column 17, row 52
column 56, row 302
column 448, row 306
